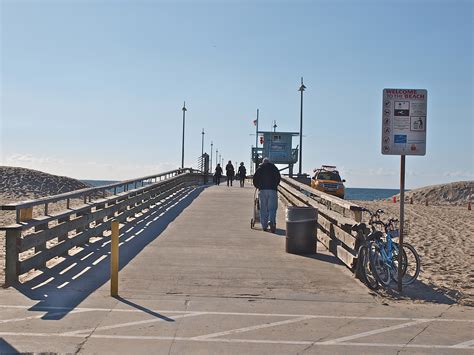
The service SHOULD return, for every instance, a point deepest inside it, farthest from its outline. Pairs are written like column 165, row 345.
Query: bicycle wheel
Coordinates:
column 411, row 264
column 378, row 264
column 364, row 271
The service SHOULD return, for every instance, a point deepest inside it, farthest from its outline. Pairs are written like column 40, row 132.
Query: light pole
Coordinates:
column 202, row 150
column 217, row 155
column 211, row 157
column 301, row 89
column 256, row 142
column 182, row 148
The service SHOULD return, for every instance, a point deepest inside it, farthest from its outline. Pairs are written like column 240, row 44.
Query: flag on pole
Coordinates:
column 254, row 122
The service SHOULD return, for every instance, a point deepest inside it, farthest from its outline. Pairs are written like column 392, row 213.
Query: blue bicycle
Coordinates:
column 383, row 256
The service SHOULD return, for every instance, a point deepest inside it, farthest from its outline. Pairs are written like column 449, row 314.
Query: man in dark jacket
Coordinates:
column 266, row 179
column 229, row 172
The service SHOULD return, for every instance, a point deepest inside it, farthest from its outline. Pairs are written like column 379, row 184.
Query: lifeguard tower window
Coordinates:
column 276, row 138
column 327, row 175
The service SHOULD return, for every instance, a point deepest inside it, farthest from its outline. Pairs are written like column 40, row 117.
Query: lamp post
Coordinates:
column 256, row 142
column 202, row 150
column 182, row 147
column 217, row 155
column 301, row 89
column 211, row 157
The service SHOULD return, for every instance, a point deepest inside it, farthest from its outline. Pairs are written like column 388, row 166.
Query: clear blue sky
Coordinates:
column 94, row 89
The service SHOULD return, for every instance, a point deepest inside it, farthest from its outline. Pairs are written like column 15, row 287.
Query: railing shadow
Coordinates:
column 60, row 288
column 6, row 348
column 420, row 291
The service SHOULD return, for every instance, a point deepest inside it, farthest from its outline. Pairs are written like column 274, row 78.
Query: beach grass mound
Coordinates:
column 20, row 183
column 454, row 193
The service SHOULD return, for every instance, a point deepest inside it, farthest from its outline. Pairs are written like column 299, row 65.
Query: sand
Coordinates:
column 442, row 232
column 444, row 238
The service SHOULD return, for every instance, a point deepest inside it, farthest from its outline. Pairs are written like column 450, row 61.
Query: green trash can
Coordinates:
column 301, row 227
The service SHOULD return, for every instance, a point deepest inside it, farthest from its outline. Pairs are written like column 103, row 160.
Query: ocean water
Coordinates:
column 352, row 193
column 96, row 183
column 367, row 194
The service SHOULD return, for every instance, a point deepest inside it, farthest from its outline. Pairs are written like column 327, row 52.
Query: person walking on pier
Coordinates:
column 218, row 174
column 266, row 179
column 229, row 172
column 242, row 174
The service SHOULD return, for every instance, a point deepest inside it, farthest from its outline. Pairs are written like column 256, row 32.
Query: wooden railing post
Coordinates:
column 11, row 263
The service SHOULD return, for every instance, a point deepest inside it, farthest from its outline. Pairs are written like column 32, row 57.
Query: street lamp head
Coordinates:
column 184, row 106
column 302, row 87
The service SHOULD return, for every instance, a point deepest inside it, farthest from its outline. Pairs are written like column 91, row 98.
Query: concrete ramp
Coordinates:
column 210, row 250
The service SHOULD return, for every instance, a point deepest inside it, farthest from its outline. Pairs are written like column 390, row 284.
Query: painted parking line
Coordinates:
column 255, row 327
column 11, row 320
column 247, row 341
column 288, row 315
column 376, row 331
column 469, row 344
column 122, row 325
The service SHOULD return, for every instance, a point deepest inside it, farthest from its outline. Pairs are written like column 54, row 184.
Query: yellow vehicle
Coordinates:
column 327, row 179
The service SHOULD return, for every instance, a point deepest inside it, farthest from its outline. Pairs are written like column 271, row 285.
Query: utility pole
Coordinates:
column 182, row 146
column 211, row 157
column 301, row 89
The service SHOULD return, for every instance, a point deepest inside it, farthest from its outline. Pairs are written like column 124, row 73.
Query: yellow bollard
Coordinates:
column 114, row 259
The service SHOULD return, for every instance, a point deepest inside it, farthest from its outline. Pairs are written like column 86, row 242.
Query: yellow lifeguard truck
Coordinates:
column 328, row 180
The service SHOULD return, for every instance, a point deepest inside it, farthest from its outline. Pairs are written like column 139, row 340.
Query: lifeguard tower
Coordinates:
column 278, row 147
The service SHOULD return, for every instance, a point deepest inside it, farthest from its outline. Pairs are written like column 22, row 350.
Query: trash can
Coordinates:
column 301, row 226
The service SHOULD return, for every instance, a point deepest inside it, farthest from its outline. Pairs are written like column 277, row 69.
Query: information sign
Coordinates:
column 404, row 121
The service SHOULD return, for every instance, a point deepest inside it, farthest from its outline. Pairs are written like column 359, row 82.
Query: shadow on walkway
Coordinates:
column 6, row 348
column 62, row 287
column 420, row 291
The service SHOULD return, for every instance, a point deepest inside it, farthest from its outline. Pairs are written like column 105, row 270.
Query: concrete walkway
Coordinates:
column 196, row 279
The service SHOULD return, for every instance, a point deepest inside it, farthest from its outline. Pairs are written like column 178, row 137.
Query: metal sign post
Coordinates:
column 403, row 133
column 402, row 215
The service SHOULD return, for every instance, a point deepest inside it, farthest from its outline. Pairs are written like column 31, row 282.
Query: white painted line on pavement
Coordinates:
column 2, row 321
column 255, row 327
column 248, row 341
column 47, row 308
column 463, row 345
column 375, row 331
column 121, row 325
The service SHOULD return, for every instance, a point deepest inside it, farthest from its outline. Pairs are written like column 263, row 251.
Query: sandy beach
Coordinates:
column 442, row 233
column 444, row 238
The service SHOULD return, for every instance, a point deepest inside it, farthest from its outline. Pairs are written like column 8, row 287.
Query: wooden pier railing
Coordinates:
column 335, row 217
column 83, row 214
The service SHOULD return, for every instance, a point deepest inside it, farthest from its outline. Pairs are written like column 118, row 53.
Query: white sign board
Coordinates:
column 404, row 121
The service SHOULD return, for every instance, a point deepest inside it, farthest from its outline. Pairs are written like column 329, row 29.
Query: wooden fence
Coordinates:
column 32, row 241
column 335, row 218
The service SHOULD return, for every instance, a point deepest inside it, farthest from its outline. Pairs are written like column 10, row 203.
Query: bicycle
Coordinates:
column 377, row 260
column 384, row 257
column 363, row 267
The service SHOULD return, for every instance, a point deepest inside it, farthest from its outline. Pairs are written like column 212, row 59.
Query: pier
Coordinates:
column 195, row 278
